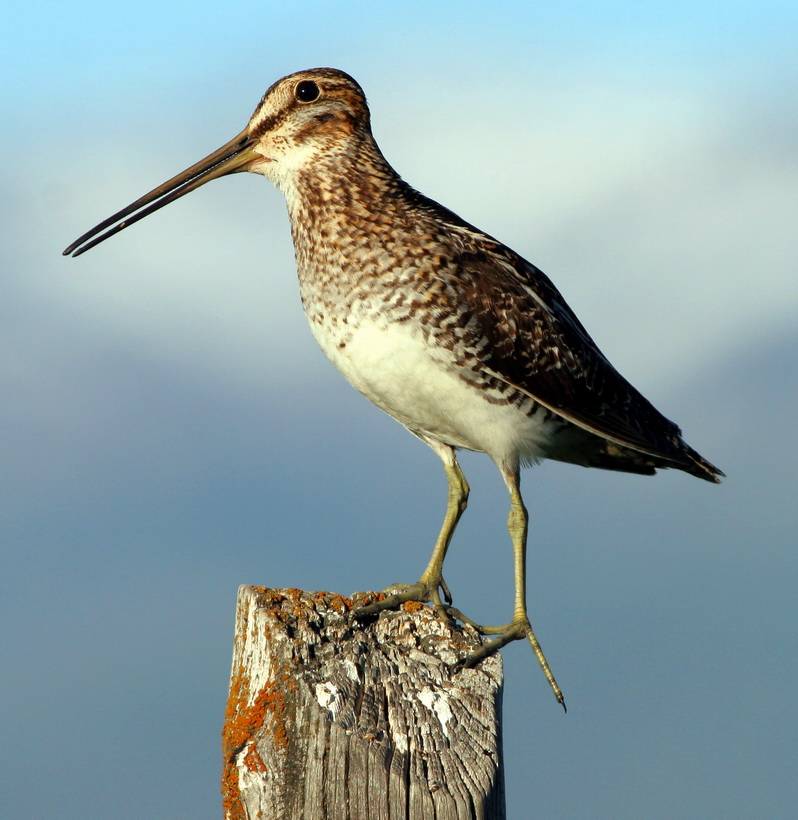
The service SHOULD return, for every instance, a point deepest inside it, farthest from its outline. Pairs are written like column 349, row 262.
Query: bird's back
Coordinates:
column 530, row 339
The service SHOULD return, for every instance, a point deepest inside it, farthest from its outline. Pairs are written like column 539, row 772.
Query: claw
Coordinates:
column 447, row 595
column 398, row 594
column 516, row 630
column 395, row 596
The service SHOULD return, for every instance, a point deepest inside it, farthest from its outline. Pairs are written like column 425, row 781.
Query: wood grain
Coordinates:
column 331, row 719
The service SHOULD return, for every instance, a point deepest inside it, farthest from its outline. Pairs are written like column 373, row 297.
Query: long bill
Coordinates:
column 231, row 158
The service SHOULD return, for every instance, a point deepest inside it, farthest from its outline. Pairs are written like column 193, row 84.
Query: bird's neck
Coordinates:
column 343, row 204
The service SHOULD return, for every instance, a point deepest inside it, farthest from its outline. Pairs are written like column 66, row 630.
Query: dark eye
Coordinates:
column 307, row 91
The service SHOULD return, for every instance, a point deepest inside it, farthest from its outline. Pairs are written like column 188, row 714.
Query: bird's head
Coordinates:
column 303, row 120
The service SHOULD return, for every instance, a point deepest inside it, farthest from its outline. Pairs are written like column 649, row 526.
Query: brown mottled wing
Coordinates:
column 536, row 343
column 528, row 337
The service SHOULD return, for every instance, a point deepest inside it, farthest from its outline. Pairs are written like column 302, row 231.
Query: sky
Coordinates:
column 169, row 429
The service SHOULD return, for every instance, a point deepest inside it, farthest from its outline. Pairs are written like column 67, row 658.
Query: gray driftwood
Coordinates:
column 329, row 719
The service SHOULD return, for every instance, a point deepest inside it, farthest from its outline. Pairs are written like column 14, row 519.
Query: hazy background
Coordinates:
column 170, row 430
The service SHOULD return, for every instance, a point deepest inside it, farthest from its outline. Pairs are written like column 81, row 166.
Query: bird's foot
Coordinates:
column 518, row 629
column 422, row 591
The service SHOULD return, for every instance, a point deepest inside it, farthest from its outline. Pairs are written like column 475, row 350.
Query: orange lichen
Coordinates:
column 271, row 701
column 253, row 761
column 234, row 735
column 288, row 681
column 243, row 723
column 340, row 603
column 413, row 606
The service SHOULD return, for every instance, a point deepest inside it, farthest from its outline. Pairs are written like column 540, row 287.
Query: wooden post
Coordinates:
column 330, row 719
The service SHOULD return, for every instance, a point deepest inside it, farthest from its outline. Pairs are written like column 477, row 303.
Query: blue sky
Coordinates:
column 170, row 431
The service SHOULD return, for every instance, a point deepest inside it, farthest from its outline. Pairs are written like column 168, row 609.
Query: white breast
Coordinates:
column 419, row 386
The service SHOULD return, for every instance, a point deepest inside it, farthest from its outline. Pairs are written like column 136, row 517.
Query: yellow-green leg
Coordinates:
column 428, row 587
column 519, row 627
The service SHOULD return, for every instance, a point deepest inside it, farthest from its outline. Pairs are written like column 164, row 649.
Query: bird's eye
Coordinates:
column 307, row 91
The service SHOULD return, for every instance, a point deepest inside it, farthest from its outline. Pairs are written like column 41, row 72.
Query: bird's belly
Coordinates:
column 421, row 386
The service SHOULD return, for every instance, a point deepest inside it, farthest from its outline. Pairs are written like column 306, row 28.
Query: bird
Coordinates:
column 437, row 323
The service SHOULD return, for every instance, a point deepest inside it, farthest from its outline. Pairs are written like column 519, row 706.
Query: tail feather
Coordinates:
column 611, row 456
column 700, row 467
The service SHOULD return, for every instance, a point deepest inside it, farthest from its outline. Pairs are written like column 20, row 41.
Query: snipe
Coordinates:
column 441, row 326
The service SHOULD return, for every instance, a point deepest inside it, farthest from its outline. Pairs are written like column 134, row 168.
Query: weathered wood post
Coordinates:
column 330, row 719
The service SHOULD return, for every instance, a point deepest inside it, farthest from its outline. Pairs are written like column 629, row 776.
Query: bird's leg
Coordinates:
column 429, row 586
column 519, row 627
column 457, row 500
